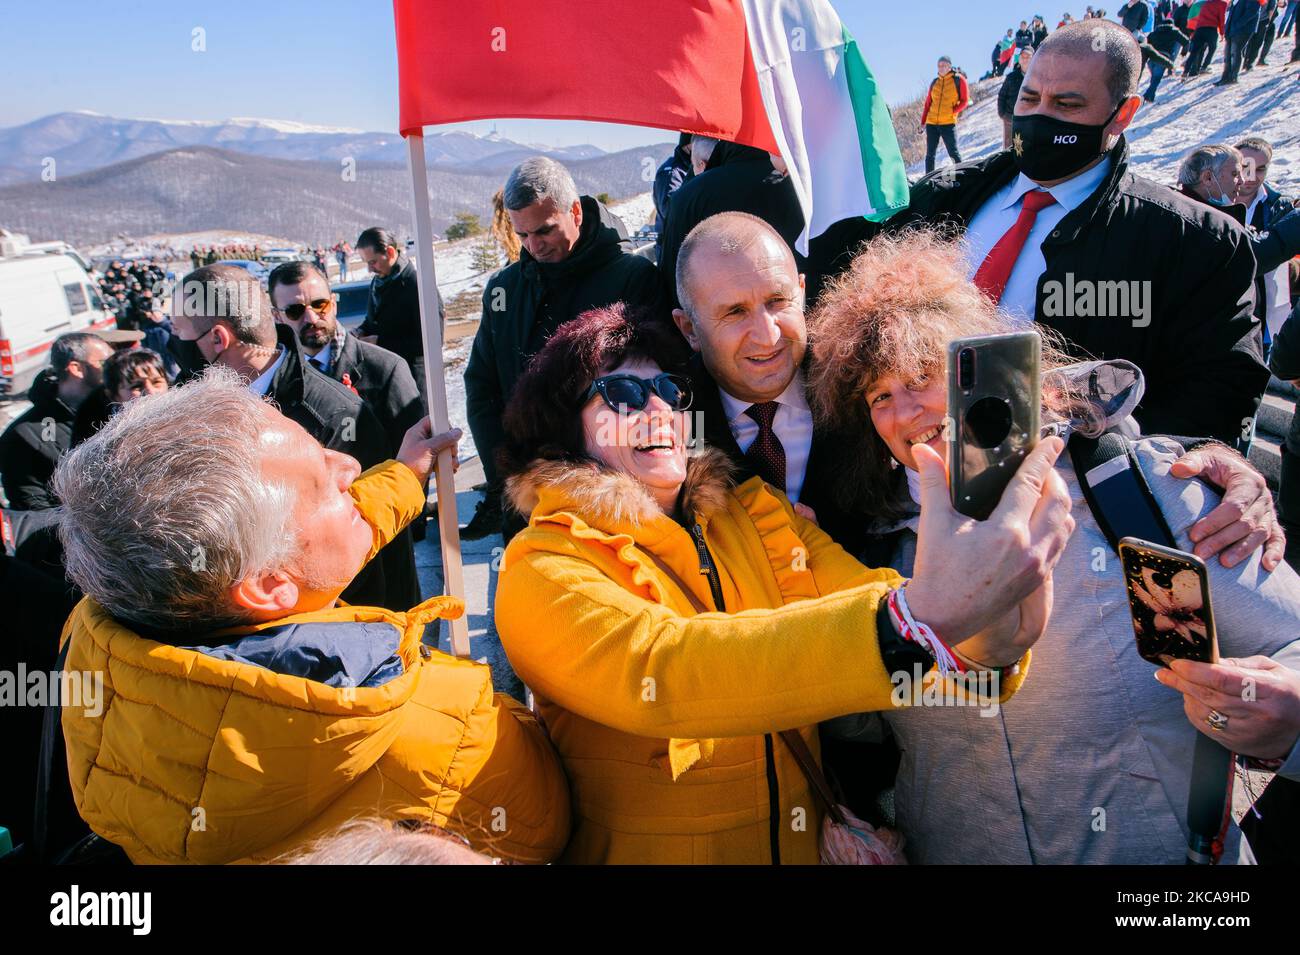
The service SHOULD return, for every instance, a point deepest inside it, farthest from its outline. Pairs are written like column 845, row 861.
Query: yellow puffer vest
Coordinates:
column 666, row 717
column 198, row 759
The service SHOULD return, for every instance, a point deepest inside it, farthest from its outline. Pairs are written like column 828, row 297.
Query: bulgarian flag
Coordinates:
column 782, row 75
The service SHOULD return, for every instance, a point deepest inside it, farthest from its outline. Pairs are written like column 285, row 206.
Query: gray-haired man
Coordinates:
column 575, row 257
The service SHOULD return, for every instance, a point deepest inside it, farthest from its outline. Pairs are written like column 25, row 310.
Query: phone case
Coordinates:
column 993, row 418
column 1169, row 602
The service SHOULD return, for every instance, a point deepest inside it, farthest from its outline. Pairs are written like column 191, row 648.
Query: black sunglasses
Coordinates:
column 625, row 393
column 296, row 311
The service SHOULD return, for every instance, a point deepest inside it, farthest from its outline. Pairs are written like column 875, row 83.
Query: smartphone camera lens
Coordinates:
column 966, row 369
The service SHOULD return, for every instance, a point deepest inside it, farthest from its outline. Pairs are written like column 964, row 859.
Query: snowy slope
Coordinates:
column 1185, row 115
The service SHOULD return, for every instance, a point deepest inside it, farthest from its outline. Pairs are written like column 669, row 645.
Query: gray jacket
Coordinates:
column 1091, row 761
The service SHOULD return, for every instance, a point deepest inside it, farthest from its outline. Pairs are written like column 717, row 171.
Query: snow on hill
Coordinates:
column 1185, row 115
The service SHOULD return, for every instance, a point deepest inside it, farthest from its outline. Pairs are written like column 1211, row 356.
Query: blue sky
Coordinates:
column 333, row 62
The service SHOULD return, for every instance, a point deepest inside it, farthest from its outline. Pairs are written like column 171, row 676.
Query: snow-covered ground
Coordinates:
column 1266, row 102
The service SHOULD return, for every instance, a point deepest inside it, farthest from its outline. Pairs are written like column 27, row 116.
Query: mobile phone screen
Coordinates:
column 1168, row 601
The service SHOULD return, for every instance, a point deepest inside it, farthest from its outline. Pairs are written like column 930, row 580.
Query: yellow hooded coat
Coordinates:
column 666, row 716
column 200, row 759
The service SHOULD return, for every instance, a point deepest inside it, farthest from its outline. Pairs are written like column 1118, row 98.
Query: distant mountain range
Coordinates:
column 138, row 177
column 81, row 141
column 200, row 188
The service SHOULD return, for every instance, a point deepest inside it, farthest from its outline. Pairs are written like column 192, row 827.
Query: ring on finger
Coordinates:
column 1217, row 721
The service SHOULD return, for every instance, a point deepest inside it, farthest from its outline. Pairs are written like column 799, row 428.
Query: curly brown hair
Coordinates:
column 892, row 313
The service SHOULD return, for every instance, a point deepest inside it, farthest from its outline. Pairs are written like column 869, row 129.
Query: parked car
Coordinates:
column 258, row 270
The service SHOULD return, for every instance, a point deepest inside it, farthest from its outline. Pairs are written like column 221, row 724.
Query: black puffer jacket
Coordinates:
column 527, row 301
column 738, row 179
column 1198, row 345
column 32, row 445
column 393, row 312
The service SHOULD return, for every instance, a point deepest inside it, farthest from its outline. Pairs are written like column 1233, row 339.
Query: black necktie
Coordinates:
column 767, row 455
column 317, row 364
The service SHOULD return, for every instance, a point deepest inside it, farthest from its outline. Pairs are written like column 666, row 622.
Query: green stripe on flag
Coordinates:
column 882, row 160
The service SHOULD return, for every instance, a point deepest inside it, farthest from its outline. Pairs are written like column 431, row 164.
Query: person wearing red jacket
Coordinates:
column 1206, row 26
column 948, row 95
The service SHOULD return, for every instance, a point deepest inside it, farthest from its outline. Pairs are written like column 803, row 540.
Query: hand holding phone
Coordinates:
column 1169, row 601
column 994, row 407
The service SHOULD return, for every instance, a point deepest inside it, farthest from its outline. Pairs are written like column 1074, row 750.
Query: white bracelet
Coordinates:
column 920, row 633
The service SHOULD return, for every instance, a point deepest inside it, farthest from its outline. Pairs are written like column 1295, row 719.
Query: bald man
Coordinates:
column 742, row 312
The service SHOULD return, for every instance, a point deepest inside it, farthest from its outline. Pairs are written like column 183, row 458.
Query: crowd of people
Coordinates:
column 720, row 479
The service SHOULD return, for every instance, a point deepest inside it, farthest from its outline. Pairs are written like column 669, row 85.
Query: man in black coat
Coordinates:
column 393, row 311
column 574, row 257
column 1284, row 360
column 742, row 313
column 670, row 175
column 224, row 311
column 734, row 178
column 1169, row 284
column 1133, row 15
column 1009, row 92
column 383, row 380
column 33, row 443
column 1243, row 21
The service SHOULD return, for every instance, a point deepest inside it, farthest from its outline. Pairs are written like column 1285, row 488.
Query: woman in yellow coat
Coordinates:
column 222, row 743
column 671, row 625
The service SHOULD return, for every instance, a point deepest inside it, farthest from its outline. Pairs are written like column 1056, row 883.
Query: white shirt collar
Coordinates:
column 262, row 383
column 793, row 396
column 1069, row 194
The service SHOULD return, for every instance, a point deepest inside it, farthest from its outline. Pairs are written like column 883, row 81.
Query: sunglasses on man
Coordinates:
column 627, row 393
column 297, row 310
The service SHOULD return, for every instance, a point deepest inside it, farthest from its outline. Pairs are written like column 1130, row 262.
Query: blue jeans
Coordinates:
column 1157, row 74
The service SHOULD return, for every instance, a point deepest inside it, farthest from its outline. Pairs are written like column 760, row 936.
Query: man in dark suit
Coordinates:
column 746, row 326
column 302, row 300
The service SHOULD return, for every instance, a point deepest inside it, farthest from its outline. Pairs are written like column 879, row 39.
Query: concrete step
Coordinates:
column 1275, row 414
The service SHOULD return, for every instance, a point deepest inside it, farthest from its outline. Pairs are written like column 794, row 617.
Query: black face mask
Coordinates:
column 1046, row 148
column 187, row 355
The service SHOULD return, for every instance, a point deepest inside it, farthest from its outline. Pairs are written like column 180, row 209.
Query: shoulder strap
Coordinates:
column 813, row 773
column 50, row 725
column 1090, row 454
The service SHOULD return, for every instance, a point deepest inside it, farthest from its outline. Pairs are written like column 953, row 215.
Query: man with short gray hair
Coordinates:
column 246, row 711
column 225, row 315
column 574, row 257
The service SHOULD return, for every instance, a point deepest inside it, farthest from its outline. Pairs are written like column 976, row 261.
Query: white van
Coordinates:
column 45, row 292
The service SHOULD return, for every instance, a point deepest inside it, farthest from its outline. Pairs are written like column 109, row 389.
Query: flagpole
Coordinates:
column 436, row 387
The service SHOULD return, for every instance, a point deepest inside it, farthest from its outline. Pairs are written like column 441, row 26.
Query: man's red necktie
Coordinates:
column 995, row 272
column 767, row 455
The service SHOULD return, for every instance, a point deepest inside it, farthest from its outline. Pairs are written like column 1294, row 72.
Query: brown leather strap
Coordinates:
column 813, row 773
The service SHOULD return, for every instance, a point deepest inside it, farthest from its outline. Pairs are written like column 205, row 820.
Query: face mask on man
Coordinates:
column 1047, row 148
column 1222, row 199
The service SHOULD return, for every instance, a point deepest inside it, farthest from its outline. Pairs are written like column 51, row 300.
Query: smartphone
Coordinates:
column 1169, row 601
column 993, row 413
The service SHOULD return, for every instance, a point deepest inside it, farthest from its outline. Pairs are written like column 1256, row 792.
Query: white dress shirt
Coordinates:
column 262, row 383
column 999, row 214
column 793, row 426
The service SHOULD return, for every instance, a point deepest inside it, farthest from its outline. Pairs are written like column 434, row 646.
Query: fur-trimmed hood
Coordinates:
column 604, row 497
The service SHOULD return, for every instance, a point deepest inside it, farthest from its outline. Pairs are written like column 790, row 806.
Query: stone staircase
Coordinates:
column 1271, row 427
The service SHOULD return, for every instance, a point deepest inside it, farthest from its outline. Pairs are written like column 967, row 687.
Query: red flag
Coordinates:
column 682, row 65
